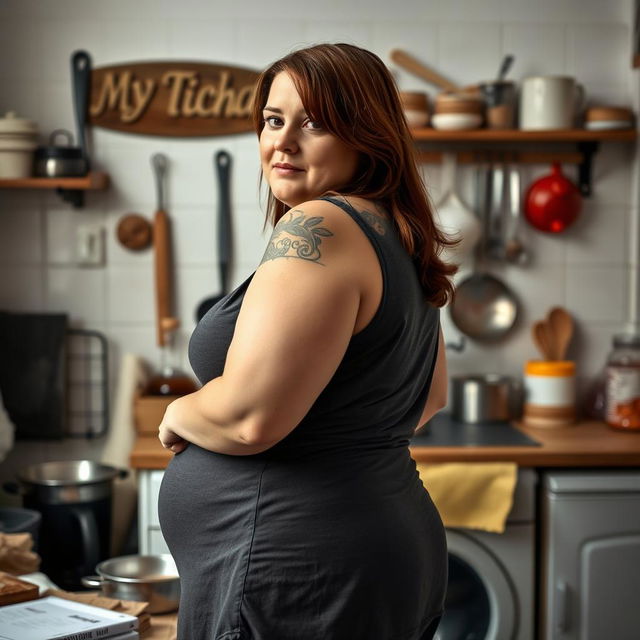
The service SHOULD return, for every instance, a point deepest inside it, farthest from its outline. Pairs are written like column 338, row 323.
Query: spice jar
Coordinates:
column 550, row 393
column 622, row 383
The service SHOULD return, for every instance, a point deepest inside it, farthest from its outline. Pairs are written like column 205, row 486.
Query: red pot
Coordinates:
column 552, row 202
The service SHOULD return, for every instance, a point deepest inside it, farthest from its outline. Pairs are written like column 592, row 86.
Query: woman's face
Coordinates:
column 300, row 160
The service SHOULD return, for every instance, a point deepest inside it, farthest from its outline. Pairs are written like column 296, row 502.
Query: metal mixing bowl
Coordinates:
column 152, row 579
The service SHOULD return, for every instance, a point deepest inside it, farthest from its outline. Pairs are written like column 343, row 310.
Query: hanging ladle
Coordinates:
column 514, row 249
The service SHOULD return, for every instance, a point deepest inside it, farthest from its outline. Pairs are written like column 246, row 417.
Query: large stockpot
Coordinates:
column 75, row 500
column 488, row 397
column 152, row 579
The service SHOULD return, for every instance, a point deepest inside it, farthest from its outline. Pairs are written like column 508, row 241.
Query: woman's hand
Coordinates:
column 168, row 438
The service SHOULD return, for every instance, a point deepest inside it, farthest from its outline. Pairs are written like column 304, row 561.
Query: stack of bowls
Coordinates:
column 18, row 140
column 603, row 118
column 415, row 105
column 457, row 111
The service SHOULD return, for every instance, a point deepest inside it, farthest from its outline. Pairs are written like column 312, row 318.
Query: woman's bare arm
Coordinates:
column 295, row 324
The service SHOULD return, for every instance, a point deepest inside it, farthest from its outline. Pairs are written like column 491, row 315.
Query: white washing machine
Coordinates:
column 492, row 576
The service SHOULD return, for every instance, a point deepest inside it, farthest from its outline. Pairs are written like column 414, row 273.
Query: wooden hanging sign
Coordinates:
column 182, row 99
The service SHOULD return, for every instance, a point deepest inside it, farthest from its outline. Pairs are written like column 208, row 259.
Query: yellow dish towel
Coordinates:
column 473, row 495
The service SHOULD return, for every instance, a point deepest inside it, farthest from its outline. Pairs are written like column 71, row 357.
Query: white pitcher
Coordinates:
column 549, row 102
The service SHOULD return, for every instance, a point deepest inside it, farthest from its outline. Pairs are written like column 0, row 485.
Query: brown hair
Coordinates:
column 352, row 93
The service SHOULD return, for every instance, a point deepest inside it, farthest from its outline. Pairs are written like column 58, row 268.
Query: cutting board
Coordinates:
column 14, row 590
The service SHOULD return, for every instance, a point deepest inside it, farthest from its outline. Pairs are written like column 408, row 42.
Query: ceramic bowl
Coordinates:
column 603, row 125
column 416, row 118
column 456, row 121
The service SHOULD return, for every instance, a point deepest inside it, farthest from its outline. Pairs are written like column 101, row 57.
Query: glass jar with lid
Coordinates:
column 622, row 383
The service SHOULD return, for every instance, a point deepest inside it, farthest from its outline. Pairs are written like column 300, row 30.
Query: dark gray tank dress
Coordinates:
column 329, row 535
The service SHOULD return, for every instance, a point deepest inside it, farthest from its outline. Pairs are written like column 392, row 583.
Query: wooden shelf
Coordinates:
column 516, row 135
column 93, row 180
column 510, row 140
column 70, row 189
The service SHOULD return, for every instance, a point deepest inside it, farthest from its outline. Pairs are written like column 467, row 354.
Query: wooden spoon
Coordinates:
column 409, row 63
column 561, row 326
column 541, row 339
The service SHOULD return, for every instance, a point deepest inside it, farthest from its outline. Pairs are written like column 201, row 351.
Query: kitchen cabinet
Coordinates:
column 590, row 555
column 70, row 189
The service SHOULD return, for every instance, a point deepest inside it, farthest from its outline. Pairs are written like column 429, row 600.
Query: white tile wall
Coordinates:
column 595, row 53
column 207, row 39
column 540, row 48
column 130, row 298
column 21, row 236
column 454, row 60
column 81, row 292
column 596, row 294
column 23, row 288
column 584, row 268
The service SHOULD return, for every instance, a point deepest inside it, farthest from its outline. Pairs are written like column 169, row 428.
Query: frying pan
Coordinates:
column 222, row 163
column 81, row 80
column 55, row 160
column 483, row 307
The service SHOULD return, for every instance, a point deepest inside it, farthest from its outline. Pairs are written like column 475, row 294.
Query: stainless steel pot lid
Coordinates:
column 72, row 472
column 483, row 379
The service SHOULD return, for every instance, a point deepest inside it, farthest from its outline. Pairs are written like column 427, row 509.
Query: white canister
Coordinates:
column 18, row 140
column 549, row 102
column 549, row 393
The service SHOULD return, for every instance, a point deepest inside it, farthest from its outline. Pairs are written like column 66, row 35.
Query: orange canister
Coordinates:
column 550, row 393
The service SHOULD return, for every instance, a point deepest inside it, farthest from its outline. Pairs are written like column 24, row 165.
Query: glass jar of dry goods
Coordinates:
column 550, row 393
column 622, row 383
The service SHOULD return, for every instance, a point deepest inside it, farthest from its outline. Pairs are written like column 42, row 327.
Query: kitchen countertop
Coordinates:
column 585, row 444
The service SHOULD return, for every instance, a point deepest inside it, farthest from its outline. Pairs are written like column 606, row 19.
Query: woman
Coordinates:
column 294, row 510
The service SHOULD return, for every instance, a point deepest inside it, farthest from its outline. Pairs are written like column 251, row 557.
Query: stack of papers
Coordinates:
column 53, row 618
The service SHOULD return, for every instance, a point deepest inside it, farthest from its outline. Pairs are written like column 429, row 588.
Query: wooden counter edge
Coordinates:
column 585, row 444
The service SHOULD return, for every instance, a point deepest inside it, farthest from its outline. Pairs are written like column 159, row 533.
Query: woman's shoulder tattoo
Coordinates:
column 297, row 236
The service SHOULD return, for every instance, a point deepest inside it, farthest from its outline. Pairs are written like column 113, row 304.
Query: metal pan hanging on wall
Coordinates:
column 483, row 307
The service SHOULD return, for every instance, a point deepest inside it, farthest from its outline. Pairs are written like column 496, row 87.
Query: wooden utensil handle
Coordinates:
column 162, row 269
column 409, row 63
column 169, row 324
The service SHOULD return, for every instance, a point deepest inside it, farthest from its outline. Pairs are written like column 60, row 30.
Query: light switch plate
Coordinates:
column 89, row 246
